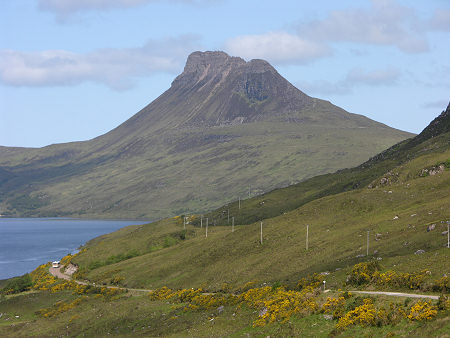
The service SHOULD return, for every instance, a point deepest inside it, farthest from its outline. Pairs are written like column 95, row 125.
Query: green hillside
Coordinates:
column 402, row 208
column 396, row 207
column 225, row 127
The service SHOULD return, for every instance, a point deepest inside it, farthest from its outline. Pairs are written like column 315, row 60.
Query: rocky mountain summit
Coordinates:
column 226, row 127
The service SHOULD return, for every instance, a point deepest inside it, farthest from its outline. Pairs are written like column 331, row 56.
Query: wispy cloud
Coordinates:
column 116, row 68
column 441, row 20
column 63, row 9
column 438, row 104
column 381, row 77
column 355, row 77
column 384, row 23
column 276, row 47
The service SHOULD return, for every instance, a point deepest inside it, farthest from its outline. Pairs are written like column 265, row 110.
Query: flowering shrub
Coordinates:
column 443, row 303
column 275, row 304
column 314, row 281
column 422, row 311
column 369, row 272
column 280, row 304
column 247, row 286
column 58, row 308
column 67, row 259
column 362, row 272
column 108, row 293
column 365, row 314
column 42, row 279
column 117, row 279
column 405, row 280
column 334, row 306
column 442, row 284
column 66, row 285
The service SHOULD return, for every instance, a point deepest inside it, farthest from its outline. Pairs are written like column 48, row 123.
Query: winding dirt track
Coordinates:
column 57, row 273
column 396, row 294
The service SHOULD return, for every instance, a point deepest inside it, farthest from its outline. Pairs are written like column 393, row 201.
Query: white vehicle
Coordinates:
column 55, row 264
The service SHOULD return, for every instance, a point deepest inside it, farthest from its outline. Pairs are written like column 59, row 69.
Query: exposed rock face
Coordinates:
column 70, row 269
column 219, row 89
column 439, row 125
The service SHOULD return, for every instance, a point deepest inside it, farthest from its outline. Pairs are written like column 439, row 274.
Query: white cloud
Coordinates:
column 276, row 47
column 441, row 20
column 385, row 23
column 373, row 78
column 65, row 8
column 438, row 104
column 355, row 77
column 117, row 68
column 324, row 88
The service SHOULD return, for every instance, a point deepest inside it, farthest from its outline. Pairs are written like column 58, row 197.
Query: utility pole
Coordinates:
column 261, row 233
column 201, row 222
column 307, row 235
column 206, row 227
column 368, row 232
column 239, row 202
column 448, row 234
column 232, row 224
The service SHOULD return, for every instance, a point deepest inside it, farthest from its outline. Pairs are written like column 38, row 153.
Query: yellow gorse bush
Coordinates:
column 422, row 311
column 275, row 304
column 363, row 272
column 365, row 314
column 396, row 279
column 334, row 306
column 280, row 304
column 42, row 279
column 58, row 308
column 442, row 284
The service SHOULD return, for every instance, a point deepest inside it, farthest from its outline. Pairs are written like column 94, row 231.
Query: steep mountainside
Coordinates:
column 225, row 128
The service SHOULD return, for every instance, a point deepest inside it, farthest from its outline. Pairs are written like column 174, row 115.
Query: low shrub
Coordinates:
column 362, row 273
column 422, row 311
column 17, row 284
column 58, row 307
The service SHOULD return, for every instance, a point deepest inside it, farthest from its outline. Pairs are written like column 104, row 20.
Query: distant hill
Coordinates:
column 225, row 128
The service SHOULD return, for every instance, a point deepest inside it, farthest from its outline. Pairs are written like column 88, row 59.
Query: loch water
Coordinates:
column 26, row 243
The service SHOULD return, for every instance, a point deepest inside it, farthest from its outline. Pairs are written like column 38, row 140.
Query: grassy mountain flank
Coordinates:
column 279, row 201
column 397, row 208
column 224, row 127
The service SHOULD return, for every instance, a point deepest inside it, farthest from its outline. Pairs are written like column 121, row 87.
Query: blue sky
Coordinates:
column 74, row 69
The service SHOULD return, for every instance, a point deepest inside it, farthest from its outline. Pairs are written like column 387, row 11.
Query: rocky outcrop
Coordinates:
column 70, row 269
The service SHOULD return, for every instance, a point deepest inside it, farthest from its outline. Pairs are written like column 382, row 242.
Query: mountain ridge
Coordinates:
column 223, row 125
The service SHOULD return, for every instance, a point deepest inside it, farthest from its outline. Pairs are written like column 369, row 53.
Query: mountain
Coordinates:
column 225, row 128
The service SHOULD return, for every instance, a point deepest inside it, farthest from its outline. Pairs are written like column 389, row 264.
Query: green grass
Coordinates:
column 338, row 226
column 278, row 201
column 130, row 316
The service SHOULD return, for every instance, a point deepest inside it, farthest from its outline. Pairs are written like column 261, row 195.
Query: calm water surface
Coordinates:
column 26, row 243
